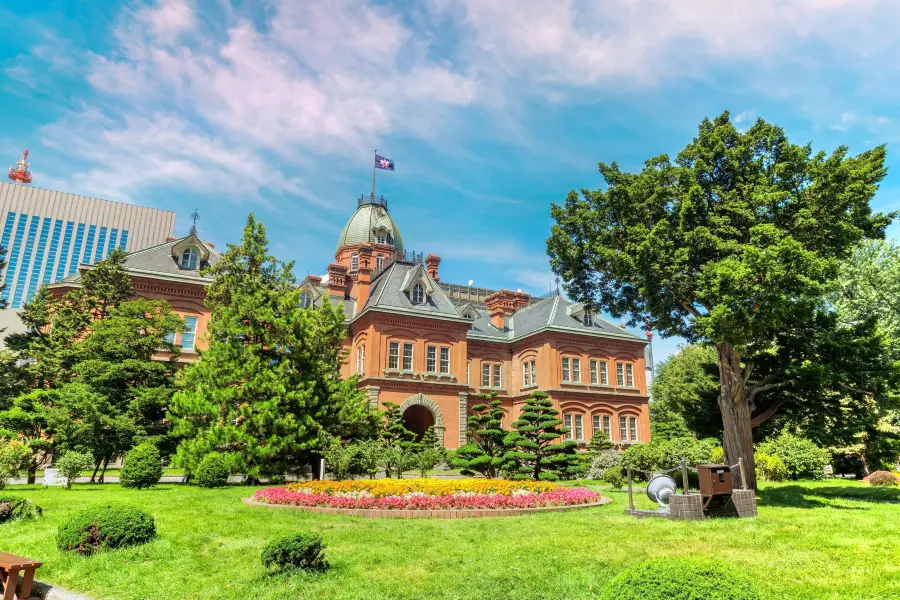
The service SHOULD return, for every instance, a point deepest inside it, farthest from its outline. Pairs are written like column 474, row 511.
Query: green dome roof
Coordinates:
column 365, row 222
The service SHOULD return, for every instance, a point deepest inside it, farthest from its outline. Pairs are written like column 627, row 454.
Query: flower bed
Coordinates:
column 426, row 494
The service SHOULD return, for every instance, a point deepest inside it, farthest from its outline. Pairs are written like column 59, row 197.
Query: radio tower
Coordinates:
column 19, row 172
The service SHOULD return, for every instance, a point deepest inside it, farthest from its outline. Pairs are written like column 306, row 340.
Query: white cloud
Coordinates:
column 747, row 115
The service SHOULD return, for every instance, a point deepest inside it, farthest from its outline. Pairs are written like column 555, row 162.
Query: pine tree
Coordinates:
column 486, row 451
column 537, row 449
column 399, row 442
column 268, row 389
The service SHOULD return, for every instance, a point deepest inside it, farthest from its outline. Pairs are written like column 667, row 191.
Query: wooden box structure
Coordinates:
column 716, row 484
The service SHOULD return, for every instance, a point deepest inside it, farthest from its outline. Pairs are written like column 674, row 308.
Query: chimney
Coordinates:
column 521, row 300
column 314, row 279
column 336, row 276
column 501, row 305
column 363, row 275
column 431, row 263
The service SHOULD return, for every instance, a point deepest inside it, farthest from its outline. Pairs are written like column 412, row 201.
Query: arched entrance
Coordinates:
column 421, row 412
column 418, row 419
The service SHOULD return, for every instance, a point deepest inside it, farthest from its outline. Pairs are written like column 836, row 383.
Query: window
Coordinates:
column 431, row 360
column 379, row 262
column 601, row 425
column 170, row 338
column 623, row 429
column 189, row 258
column 418, row 294
column 625, row 374
column 497, row 372
column 629, row 375
column 445, row 359
column 528, row 373
column 389, row 240
column 485, row 375
column 468, row 364
column 304, row 300
column 361, row 359
column 588, row 319
column 407, row 356
column 468, row 315
column 354, row 261
column 604, row 376
column 189, row 333
column 381, row 237
column 567, row 421
column 594, row 371
column 576, row 369
column 531, row 365
column 632, row 428
column 393, row 355
column 620, row 374
column 565, row 365
column 579, row 427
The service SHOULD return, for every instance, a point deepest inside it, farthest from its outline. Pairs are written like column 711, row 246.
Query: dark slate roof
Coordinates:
column 159, row 260
column 387, row 294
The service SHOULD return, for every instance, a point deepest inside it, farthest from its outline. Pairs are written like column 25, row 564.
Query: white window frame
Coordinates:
column 623, row 428
column 566, row 372
column 189, row 259
column 620, row 374
column 361, row 359
column 431, row 359
column 497, row 380
column 468, row 366
column 567, row 422
column 379, row 261
column 189, row 332
column 629, row 375
column 393, row 355
column 588, row 319
column 576, row 370
column 418, row 294
column 532, row 365
column 579, row 427
column 485, row 374
column 525, row 382
column 408, row 356
column 305, row 299
column 354, row 261
column 594, row 378
column 444, row 356
column 632, row 429
column 604, row 374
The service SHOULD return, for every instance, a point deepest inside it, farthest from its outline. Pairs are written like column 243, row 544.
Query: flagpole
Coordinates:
column 374, row 153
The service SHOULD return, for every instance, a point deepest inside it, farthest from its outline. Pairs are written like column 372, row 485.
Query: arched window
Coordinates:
column 189, row 258
column 305, row 300
column 418, row 294
column 379, row 261
column 361, row 359
column 354, row 261
column 468, row 315
column 381, row 236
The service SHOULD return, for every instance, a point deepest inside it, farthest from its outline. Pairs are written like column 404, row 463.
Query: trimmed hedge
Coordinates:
column 12, row 508
column 213, row 470
column 106, row 527
column 296, row 551
column 142, row 468
column 679, row 579
column 883, row 479
column 770, row 468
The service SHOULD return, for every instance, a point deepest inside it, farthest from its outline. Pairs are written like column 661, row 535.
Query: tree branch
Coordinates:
column 687, row 306
column 850, row 388
column 757, row 389
column 765, row 415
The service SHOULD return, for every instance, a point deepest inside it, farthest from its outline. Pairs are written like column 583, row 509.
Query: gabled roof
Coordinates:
column 161, row 262
column 387, row 294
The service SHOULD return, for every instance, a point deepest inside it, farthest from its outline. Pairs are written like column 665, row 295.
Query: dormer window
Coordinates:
column 588, row 319
column 305, row 300
column 469, row 316
column 418, row 294
column 189, row 258
column 390, row 240
column 354, row 262
column 381, row 237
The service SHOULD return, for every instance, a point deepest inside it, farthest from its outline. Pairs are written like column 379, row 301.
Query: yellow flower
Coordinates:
column 380, row 488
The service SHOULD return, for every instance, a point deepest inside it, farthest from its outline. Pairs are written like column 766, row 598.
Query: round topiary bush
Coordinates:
column 142, row 468
column 213, row 470
column 679, row 579
column 883, row 479
column 105, row 527
column 296, row 551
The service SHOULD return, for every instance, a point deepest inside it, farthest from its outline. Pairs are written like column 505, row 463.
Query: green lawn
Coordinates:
column 827, row 539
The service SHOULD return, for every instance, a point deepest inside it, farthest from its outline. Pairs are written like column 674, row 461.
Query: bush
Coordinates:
column 679, row 579
column 603, row 461
column 104, row 527
column 803, row 459
column 339, row 458
column 613, row 476
column 296, row 551
column 18, row 508
column 770, row 468
column 72, row 463
column 667, row 454
column 883, row 478
column 717, row 456
column 12, row 455
column 213, row 470
column 142, row 468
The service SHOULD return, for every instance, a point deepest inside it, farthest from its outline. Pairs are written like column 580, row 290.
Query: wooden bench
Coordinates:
column 10, row 565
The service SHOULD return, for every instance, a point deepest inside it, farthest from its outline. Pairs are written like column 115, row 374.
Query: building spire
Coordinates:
column 194, row 217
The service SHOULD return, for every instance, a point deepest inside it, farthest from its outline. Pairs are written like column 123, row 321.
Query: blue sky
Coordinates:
column 491, row 110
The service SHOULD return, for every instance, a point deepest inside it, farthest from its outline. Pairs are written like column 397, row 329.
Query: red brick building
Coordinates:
column 430, row 346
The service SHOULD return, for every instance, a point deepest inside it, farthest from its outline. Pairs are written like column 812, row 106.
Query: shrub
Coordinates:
column 667, row 454
column 883, row 478
column 18, row 508
column 72, row 463
column 803, row 459
column 12, row 455
column 105, row 527
column 213, row 470
column 679, row 579
column 296, row 551
column 603, row 461
column 770, row 468
column 142, row 468
column 613, row 476
column 717, row 456
column 368, row 456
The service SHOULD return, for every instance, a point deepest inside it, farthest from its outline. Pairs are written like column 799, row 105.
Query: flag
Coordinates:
column 384, row 163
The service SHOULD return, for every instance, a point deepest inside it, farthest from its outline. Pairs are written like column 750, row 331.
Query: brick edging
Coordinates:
column 438, row 514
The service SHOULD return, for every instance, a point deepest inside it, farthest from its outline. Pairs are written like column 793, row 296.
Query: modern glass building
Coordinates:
column 47, row 234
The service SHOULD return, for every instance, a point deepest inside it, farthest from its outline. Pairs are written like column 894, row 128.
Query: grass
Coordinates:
column 829, row 539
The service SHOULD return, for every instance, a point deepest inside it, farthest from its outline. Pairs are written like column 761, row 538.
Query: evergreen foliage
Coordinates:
column 26, row 421
column 213, row 470
column 485, row 453
column 736, row 243
column 536, row 446
column 13, row 455
column 12, row 508
column 142, row 468
column 428, row 453
column 296, row 551
column 268, row 389
column 105, row 527
column 340, row 458
column 802, row 457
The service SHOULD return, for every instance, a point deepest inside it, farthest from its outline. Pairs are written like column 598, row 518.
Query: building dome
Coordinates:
column 371, row 223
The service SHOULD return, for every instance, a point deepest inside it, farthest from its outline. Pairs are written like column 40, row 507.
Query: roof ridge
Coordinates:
column 553, row 310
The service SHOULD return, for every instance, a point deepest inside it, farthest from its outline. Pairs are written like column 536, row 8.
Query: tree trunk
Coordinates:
column 94, row 474
column 103, row 470
column 735, row 409
column 32, row 472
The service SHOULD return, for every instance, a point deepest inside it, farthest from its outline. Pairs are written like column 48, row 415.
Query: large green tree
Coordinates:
column 268, row 389
column 733, row 243
column 537, row 448
column 485, row 452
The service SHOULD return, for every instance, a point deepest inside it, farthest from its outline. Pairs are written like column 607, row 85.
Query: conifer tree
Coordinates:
column 537, row 448
column 268, row 389
column 399, row 441
column 486, row 451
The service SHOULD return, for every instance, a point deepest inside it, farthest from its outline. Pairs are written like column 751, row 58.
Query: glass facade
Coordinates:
column 42, row 250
